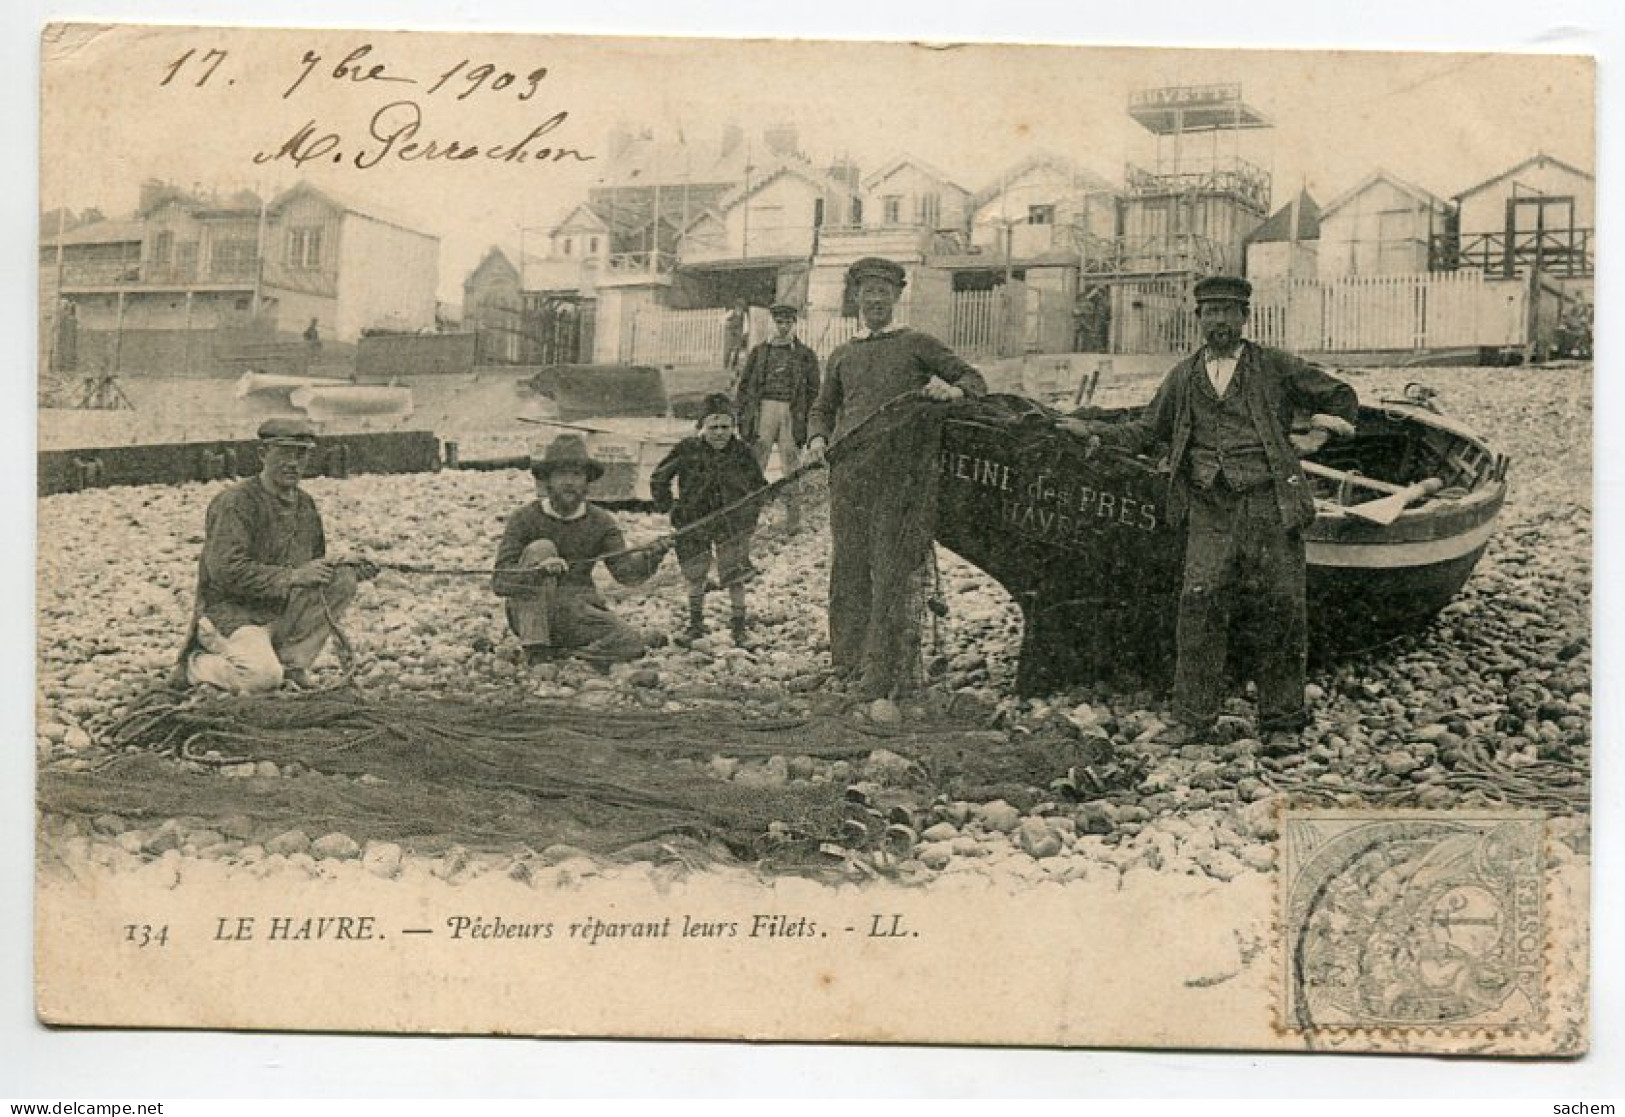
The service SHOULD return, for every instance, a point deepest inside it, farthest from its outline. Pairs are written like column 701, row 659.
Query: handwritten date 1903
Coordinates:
column 358, row 67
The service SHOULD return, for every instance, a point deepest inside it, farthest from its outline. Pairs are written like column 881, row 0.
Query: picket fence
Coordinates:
column 1408, row 312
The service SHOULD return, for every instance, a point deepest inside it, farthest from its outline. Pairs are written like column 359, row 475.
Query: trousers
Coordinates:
column 874, row 636
column 254, row 658
column 570, row 618
column 1241, row 561
column 775, row 426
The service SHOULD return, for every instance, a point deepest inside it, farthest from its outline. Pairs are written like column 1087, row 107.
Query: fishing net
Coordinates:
column 440, row 771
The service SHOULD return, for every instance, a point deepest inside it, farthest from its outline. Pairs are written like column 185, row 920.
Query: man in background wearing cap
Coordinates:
column 1236, row 487
column 776, row 393
column 881, row 363
column 267, row 594
column 545, row 563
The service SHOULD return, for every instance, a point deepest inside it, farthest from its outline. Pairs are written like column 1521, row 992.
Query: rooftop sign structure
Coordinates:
column 1176, row 109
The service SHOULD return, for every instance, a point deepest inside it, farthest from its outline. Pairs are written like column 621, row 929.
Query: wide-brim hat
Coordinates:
column 1223, row 288
column 288, row 432
column 567, row 451
column 876, row 267
column 783, row 310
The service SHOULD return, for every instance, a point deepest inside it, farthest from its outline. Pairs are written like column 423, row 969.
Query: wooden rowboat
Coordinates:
column 1084, row 547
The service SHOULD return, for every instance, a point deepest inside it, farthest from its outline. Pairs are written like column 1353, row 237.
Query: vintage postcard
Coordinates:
column 814, row 541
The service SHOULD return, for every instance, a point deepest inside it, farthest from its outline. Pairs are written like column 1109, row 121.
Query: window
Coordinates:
column 592, row 246
column 567, row 246
column 892, row 209
column 818, row 213
column 857, row 211
column 232, row 258
column 305, row 248
column 928, row 210
column 1040, row 215
column 163, row 247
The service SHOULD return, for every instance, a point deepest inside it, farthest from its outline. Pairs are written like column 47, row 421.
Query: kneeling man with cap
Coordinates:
column 267, row 594
column 1236, row 488
column 545, row 563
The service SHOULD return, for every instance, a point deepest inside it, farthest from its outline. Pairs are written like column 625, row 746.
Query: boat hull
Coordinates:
column 1086, row 550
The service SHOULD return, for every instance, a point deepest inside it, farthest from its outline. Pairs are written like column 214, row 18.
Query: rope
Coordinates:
column 762, row 495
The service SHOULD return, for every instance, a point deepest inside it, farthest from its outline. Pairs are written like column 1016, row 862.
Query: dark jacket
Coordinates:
column 581, row 542
column 803, row 389
column 708, row 481
column 1278, row 386
column 251, row 544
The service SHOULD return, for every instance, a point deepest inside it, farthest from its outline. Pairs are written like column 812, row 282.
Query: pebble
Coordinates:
column 382, row 859
column 288, row 843
column 335, row 846
column 935, row 854
column 886, row 766
column 998, row 816
column 1038, row 839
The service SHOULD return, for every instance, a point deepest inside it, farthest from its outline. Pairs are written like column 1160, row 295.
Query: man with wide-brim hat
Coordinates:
column 267, row 595
column 1227, row 415
column 874, row 633
column 545, row 562
column 775, row 397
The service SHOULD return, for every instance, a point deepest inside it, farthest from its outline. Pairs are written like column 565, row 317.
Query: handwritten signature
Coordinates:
column 395, row 133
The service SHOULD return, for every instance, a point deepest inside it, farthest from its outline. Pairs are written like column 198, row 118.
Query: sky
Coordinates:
column 1442, row 121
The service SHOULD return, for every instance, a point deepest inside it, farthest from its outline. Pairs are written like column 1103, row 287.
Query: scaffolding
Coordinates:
column 1184, row 215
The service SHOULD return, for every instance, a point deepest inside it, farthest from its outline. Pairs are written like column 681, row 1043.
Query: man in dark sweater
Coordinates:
column 877, row 366
column 1227, row 413
column 776, row 393
column 544, row 565
column 267, row 593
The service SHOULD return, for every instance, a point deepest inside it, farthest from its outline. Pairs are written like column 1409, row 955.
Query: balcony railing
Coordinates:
column 627, row 264
column 1234, row 177
column 1562, row 252
column 101, row 273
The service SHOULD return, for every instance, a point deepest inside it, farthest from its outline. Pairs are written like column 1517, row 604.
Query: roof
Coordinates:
column 771, row 174
column 1540, row 159
column 120, row 230
column 494, row 257
column 369, row 210
column 892, row 166
column 709, row 213
column 1087, row 181
column 592, row 220
column 1279, row 226
column 647, row 161
column 1422, row 196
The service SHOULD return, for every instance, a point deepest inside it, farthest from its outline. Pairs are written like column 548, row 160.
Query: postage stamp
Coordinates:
column 1412, row 919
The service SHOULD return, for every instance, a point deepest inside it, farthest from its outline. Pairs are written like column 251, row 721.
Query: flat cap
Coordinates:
column 783, row 310
column 876, row 267
column 1223, row 288
column 288, row 432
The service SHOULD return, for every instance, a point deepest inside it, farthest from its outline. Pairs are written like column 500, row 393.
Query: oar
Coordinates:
column 1386, row 510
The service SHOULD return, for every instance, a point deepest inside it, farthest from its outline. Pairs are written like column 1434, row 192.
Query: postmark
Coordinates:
column 1408, row 920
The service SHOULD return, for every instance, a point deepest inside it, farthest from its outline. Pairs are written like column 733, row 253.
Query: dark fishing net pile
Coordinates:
column 436, row 771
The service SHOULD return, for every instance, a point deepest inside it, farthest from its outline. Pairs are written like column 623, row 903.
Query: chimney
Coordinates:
column 782, row 139
column 845, row 171
column 153, row 191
